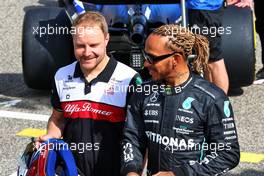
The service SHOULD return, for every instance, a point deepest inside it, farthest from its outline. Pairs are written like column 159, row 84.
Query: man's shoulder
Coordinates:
column 66, row 70
column 208, row 88
column 125, row 73
column 125, row 69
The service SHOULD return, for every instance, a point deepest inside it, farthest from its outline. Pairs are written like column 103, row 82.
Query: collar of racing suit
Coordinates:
column 104, row 76
column 172, row 90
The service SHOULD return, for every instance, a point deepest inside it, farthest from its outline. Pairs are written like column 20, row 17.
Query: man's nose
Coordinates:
column 87, row 51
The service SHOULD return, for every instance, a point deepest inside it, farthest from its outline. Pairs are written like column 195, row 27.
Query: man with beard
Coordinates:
column 89, row 100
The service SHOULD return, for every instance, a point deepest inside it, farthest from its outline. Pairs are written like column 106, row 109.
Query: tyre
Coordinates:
column 46, row 45
column 239, row 46
column 64, row 3
column 61, row 3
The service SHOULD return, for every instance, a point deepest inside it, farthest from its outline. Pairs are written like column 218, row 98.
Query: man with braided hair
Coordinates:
column 185, row 123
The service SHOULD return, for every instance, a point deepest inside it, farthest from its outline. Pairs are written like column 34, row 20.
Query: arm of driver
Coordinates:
column 166, row 173
column 240, row 3
column 55, row 124
column 132, row 174
column 55, row 127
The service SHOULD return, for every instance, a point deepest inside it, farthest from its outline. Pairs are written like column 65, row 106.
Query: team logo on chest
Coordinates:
column 154, row 97
column 113, row 86
column 187, row 104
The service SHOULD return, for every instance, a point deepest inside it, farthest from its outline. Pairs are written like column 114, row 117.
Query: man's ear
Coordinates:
column 174, row 61
column 177, row 58
column 107, row 39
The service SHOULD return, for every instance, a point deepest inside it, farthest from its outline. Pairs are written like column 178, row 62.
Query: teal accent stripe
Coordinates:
column 202, row 150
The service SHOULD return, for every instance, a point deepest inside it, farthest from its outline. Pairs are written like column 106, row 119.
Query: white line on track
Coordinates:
column 14, row 174
column 23, row 115
column 9, row 103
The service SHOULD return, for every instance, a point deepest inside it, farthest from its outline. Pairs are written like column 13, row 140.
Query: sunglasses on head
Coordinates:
column 152, row 59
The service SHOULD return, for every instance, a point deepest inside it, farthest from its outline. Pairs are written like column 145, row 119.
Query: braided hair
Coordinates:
column 190, row 43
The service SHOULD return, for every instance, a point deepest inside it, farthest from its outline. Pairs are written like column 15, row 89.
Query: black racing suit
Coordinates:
column 188, row 129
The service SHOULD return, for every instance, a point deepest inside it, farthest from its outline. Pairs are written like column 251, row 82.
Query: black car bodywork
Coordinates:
column 43, row 55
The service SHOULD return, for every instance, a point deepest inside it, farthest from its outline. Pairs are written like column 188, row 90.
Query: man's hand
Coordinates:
column 241, row 3
column 40, row 139
column 164, row 174
column 54, row 129
column 132, row 174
